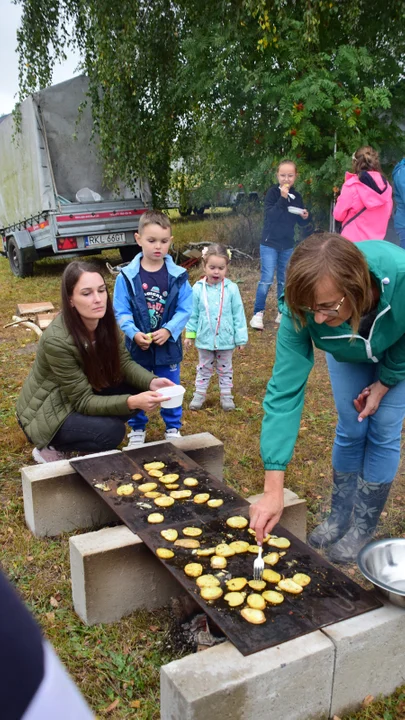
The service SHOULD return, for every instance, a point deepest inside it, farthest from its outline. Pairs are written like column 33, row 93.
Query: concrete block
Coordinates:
column 294, row 517
column 113, row 573
column 205, row 449
column 370, row 656
column 57, row 500
column 292, row 681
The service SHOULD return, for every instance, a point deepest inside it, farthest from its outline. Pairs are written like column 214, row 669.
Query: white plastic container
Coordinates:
column 295, row 210
column 175, row 393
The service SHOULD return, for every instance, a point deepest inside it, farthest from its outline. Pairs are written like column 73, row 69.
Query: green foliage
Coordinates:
column 229, row 87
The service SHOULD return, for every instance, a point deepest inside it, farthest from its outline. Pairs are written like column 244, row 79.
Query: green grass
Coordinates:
column 121, row 661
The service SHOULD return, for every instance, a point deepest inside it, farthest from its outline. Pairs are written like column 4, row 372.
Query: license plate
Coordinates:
column 106, row 239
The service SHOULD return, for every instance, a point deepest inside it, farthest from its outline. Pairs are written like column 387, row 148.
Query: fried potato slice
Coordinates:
column 193, row 569
column 206, row 552
column 192, row 531
column 188, row 543
column 190, row 482
column 169, row 534
column 272, row 558
column 271, row 576
column 223, row 550
column 211, row 593
column 237, row 521
column 171, row 478
column 218, row 562
column 201, row 498
column 155, row 473
column 273, row 597
column 237, row 583
column 239, row 546
column 180, row 494
column 137, row 476
column 235, row 598
column 207, row 581
column 254, row 616
column 155, row 518
column 153, row 495
column 253, row 532
column 154, row 466
column 102, row 486
column 279, row 542
column 257, row 584
column 253, row 549
column 164, row 501
column 164, row 553
column 125, row 489
column 256, row 601
column 147, row 487
column 215, row 502
column 172, row 486
column 290, row 586
column 301, row 579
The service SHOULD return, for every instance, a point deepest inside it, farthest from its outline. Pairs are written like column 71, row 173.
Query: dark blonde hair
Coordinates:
column 328, row 255
column 154, row 217
column 217, row 250
column 366, row 158
column 287, row 162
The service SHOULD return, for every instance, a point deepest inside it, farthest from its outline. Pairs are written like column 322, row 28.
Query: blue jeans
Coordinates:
column 270, row 261
column 170, row 416
column 401, row 235
column 372, row 447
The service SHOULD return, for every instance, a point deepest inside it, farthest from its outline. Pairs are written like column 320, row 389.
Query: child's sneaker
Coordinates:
column 278, row 318
column 257, row 321
column 48, row 454
column 172, row 433
column 227, row 402
column 136, row 438
column 197, row 401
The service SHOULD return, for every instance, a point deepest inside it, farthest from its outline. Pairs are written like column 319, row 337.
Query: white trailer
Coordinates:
column 53, row 200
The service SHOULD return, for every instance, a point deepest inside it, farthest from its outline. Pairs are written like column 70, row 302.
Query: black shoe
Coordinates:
column 338, row 522
column 368, row 506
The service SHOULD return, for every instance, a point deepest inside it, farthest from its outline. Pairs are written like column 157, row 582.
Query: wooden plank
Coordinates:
column 45, row 319
column 34, row 308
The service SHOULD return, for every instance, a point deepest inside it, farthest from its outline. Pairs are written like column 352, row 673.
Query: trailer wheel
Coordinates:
column 128, row 252
column 18, row 266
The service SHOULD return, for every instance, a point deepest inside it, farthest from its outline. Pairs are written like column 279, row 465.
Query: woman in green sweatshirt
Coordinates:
column 83, row 385
column 349, row 300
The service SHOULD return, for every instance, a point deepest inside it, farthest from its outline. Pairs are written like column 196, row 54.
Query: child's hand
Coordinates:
column 241, row 348
column 284, row 190
column 161, row 336
column 143, row 340
column 188, row 343
column 305, row 214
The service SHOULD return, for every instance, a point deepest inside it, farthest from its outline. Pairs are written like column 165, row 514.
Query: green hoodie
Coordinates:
column 385, row 345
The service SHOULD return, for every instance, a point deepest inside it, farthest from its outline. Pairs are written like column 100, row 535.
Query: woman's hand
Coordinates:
column 157, row 383
column 161, row 336
column 368, row 400
column 266, row 513
column 188, row 343
column 143, row 340
column 146, row 401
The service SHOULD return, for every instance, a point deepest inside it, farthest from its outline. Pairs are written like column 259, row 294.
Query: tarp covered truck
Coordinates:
column 53, row 201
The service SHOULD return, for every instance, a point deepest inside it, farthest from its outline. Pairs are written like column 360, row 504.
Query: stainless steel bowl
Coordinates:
column 383, row 563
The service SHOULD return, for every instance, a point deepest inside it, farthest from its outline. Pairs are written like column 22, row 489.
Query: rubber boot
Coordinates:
column 368, row 506
column 338, row 522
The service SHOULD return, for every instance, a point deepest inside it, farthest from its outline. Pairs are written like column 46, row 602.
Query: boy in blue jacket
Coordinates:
column 152, row 302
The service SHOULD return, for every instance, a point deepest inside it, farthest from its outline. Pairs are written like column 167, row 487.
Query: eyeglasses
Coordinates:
column 330, row 312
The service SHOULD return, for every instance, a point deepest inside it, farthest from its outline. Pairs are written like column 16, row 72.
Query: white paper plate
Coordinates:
column 295, row 210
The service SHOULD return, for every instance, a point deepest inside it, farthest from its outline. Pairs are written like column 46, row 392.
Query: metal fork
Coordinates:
column 258, row 565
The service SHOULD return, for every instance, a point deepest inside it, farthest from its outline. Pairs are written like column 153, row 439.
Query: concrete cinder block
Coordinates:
column 58, row 500
column 294, row 517
column 370, row 656
column 205, row 449
column 113, row 573
column 275, row 683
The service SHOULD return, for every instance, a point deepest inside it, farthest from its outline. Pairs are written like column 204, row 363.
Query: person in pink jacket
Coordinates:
column 364, row 205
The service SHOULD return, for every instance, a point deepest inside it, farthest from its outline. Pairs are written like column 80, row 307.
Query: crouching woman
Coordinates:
column 83, row 386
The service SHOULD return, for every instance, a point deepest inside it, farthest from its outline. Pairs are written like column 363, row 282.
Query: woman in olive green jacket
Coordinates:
column 83, row 385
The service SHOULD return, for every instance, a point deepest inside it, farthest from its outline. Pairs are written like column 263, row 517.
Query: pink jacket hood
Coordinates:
column 363, row 212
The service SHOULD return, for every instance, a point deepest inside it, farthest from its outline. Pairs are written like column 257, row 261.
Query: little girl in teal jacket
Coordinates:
column 217, row 326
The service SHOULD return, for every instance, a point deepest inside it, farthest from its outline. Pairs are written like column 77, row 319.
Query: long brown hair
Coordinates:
column 101, row 361
column 366, row 158
column 328, row 255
